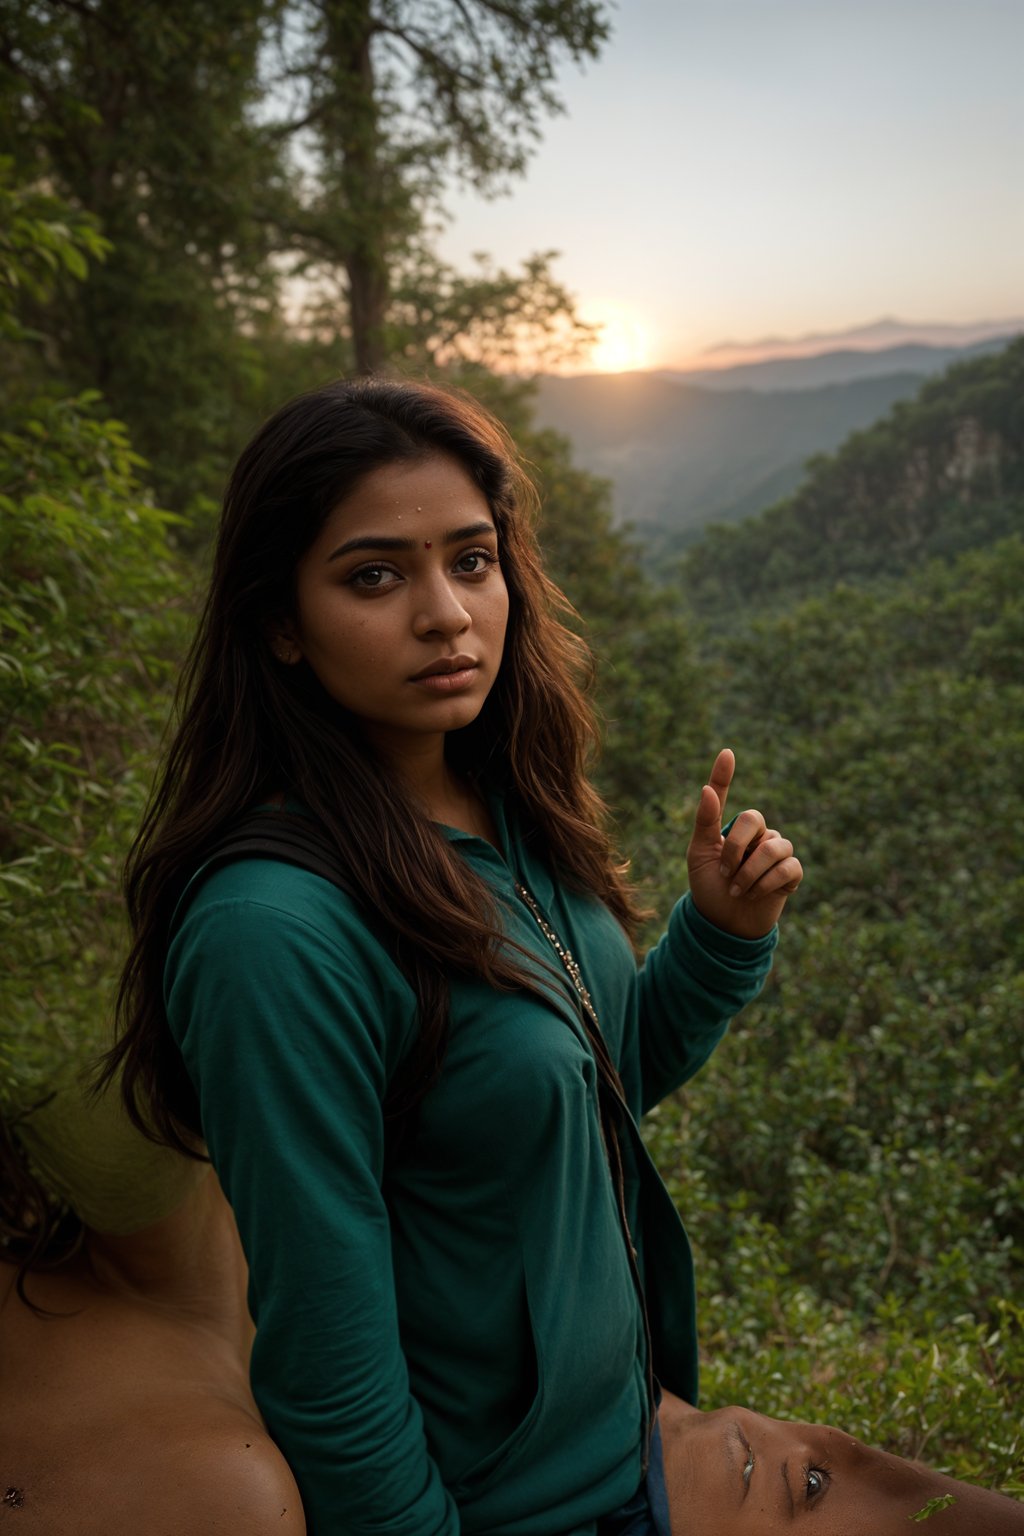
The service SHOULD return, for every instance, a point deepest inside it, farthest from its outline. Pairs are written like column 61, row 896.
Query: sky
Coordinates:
column 730, row 170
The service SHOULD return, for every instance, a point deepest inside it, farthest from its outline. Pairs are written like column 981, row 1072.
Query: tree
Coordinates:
column 398, row 95
column 237, row 153
column 142, row 115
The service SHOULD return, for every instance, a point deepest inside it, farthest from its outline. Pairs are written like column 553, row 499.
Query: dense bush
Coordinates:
column 851, row 1163
column 92, row 620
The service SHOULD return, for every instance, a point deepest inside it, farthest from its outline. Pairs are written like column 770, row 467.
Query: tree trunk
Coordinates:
column 362, row 179
column 368, row 300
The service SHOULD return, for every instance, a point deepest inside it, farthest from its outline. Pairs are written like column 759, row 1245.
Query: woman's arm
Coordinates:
column 717, row 949
column 288, row 1028
column 691, row 984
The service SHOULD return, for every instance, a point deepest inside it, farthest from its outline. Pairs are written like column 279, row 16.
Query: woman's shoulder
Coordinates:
column 256, row 913
column 258, row 890
column 267, row 881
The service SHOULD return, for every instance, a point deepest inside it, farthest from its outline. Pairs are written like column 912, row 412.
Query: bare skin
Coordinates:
column 735, row 1472
column 130, row 1410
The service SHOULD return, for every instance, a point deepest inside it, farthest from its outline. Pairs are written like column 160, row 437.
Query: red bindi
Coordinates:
column 427, row 544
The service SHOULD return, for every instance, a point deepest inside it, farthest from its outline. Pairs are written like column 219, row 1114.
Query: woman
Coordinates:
column 418, row 1070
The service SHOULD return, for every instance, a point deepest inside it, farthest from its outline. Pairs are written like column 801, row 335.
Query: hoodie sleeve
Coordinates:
column 289, row 1031
column 691, row 984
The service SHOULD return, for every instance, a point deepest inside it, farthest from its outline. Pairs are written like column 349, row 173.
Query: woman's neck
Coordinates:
column 465, row 808
column 445, row 795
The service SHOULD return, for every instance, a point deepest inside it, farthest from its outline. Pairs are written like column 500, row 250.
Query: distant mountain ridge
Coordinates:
column 835, row 367
column 877, row 335
column 683, row 452
column 940, row 475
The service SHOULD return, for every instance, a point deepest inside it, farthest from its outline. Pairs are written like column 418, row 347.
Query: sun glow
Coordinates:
column 623, row 342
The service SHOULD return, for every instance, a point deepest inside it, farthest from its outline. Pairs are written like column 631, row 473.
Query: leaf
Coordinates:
column 934, row 1506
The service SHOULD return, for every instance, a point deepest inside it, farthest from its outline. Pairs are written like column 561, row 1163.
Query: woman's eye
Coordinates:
column 372, row 577
column 475, row 561
column 816, row 1480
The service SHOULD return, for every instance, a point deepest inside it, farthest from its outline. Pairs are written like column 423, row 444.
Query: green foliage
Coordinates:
column 850, row 1161
column 41, row 239
column 649, row 691
column 91, row 622
column 934, row 1506
column 145, row 116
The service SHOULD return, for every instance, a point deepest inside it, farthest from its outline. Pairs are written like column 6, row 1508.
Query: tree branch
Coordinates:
column 441, row 65
column 281, row 131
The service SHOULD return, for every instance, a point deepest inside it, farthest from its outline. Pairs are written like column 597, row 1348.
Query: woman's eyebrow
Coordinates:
column 387, row 541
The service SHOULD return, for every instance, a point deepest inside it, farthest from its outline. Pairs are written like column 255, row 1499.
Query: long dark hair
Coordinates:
column 250, row 727
column 37, row 1229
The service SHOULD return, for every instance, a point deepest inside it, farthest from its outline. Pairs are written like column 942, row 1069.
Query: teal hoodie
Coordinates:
column 465, row 1353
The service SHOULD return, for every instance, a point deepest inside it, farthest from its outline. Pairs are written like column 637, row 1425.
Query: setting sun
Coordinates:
column 623, row 342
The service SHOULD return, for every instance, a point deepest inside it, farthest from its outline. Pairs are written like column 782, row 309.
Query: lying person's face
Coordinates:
column 737, row 1473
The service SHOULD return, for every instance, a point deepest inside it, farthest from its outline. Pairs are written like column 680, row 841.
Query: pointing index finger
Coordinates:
column 721, row 776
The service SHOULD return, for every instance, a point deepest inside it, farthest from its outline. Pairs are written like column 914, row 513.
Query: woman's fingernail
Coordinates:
column 723, row 871
column 734, row 890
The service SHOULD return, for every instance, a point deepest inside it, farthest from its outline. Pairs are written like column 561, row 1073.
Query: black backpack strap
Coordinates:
column 291, row 838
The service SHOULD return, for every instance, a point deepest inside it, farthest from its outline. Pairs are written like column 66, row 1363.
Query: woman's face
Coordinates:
column 401, row 605
column 737, row 1473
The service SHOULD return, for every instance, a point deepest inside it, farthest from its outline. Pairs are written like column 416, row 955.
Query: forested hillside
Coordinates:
column 940, row 474
column 856, row 1149
column 680, row 457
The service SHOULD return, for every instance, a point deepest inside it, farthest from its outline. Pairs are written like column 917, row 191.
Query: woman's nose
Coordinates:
column 440, row 610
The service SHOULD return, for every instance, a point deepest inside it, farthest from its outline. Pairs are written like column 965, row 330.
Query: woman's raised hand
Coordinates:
column 740, row 882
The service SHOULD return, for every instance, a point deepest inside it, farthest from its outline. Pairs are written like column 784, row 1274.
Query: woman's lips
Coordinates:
column 447, row 682
column 449, row 674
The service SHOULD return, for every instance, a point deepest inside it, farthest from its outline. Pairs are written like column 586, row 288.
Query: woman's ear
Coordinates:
column 283, row 644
